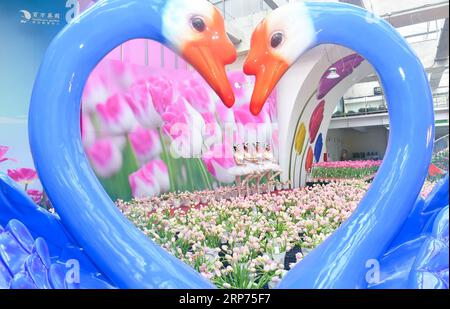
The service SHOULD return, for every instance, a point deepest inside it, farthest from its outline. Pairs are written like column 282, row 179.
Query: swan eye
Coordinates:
column 276, row 40
column 198, row 24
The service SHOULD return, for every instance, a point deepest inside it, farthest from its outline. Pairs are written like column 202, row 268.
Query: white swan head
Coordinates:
column 196, row 30
column 277, row 42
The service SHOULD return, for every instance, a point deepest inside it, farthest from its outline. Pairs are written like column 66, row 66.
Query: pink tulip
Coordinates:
column 349, row 164
column 87, row 131
column 116, row 76
column 161, row 90
column 106, row 157
column 195, row 92
column 119, row 74
column 35, row 195
column 109, row 77
column 116, row 116
column 218, row 161
column 160, row 173
column 23, row 175
column 253, row 128
column 145, row 143
column 143, row 183
column 141, row 103
column 185, row 126
column 94, row 92
column 3, row 151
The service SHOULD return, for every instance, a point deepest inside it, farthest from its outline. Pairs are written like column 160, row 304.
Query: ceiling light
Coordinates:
column 333, row 74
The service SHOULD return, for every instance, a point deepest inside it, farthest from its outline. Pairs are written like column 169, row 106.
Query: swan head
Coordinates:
column 196, row 30
column 277, row 42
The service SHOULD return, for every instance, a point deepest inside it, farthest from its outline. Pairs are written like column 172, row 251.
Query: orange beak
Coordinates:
column 209, row 54
column 267, row 67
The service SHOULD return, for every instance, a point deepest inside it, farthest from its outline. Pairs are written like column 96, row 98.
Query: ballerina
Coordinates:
column 273, row 170
column 251, row 162
column 241, row 168
column 261, row 168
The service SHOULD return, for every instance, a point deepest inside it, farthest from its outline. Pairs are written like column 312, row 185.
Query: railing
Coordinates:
column 361, row 106
column 369, row 105
column 441, row 100
column 441, row 144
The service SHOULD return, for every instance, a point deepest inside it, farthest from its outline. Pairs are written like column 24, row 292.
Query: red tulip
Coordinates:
column 35, row 195
column 433, row 170
column 316, row 121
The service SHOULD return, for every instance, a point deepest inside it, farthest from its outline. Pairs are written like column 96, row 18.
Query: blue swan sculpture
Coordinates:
column 392, row 225
column 194, row 29
column 279, row 40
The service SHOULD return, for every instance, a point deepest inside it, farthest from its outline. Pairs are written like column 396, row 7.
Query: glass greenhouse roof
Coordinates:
column 421, row 22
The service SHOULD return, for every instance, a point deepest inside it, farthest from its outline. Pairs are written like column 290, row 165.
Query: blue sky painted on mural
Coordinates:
column 26, row 29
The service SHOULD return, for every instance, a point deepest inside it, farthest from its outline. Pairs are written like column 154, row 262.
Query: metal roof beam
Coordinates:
column 441, row 60
column 273, row 4
column 418, row 15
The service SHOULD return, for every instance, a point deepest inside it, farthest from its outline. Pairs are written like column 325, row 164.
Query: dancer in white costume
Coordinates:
column 250, row 160
column 257, row 157
column 270, row 165
column 241, row 169
column 270, row 161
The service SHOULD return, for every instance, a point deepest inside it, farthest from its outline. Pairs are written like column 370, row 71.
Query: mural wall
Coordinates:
column 27, row 27
column 150, row 124
column 149, row 131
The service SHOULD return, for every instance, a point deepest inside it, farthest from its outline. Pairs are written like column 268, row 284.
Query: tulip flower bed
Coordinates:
column 440, row 160
column 345, row 170
column 242, row 242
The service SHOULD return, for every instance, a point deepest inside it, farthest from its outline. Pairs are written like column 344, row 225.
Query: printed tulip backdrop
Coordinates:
column 149, row 131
